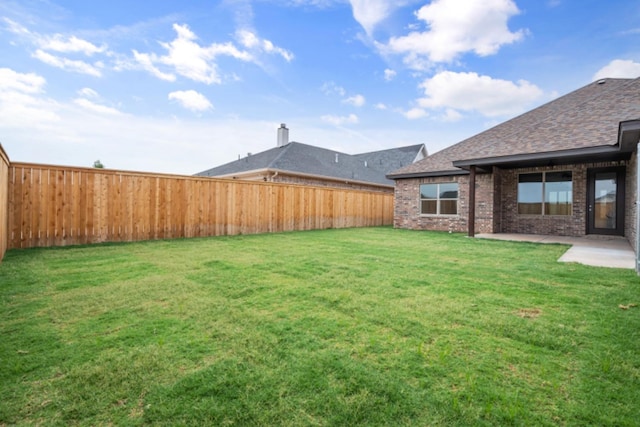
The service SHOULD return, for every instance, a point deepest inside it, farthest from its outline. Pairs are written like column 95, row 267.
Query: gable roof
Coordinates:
column 296, row 157
column 586, row 121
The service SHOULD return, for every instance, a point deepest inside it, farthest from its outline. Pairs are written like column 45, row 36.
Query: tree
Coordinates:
column 98, row 164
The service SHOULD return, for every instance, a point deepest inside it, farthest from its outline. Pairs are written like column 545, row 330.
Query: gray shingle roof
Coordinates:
column 587, row 117
column 312, row 160
column 394, row 158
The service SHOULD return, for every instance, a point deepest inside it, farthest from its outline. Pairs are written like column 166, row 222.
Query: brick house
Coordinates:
column 297, row 163
column 569, row 167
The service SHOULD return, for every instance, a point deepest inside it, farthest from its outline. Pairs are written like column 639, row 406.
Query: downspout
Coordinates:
column 274, row 176
column 472, row 201
column 637, row 213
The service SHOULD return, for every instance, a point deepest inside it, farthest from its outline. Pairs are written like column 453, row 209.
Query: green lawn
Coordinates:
column 350, row 327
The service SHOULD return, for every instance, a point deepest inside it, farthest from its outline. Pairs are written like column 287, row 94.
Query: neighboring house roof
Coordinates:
column 585, row 121
column 393, row 158
column 304, row 159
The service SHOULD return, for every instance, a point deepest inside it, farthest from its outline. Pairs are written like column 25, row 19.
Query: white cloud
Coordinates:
column 20, row 104
column 72, row 44
column 16, row 28
column 451, row 115
column 27, row 83
column 340, row 120
column 472, row 92
column 389, row 74
column 61, row 44
column 619, row 68
column 145, row 61
column 66, row 64
column 380, row 106
column 456, row 27
column 96, row 108
column 415, row 113
column 356, row 100
column 188, row 58
column 250, row 40
column 88, row 93
column 330, row 88
column 57, row 42
column 191, row 100
column 369, row 13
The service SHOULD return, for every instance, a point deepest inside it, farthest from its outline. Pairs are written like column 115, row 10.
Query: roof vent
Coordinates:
column 601, row 82
column 336, row 157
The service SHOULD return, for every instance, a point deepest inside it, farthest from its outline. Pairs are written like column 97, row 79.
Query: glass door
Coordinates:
column 605, row 201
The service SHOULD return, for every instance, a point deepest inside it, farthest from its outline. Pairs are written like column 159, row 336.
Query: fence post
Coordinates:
column 4, row 201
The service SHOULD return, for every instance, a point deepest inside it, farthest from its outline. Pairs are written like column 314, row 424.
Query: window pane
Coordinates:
column 429, row 207
column 558, row 193
column 449, row 191
column 448, row 207
column 530, row 208
column 530, row 194
column 530, row 177
column 557, row 208
column 429, row 191
column 605, row 206
column 558, row 176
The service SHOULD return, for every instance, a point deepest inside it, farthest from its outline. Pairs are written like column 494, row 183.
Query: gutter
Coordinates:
column 637, row 214
column 559, row 156
column 427, row 174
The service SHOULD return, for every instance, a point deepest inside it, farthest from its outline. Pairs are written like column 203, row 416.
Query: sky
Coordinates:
column 180, row 87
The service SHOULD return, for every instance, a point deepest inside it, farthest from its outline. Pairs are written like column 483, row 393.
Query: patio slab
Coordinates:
column 599, row 251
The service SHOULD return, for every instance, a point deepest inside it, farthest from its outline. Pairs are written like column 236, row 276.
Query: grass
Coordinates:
column 340, row 327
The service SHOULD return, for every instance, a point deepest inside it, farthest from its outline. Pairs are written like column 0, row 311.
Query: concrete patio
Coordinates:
column 599, row 251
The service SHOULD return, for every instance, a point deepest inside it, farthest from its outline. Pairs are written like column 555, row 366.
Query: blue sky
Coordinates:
column 179, row 87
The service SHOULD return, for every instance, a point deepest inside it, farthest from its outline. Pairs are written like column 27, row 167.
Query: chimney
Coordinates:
column 283, row 135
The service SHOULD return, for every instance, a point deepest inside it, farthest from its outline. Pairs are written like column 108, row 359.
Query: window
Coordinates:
column 439, row 199
column 545, row 193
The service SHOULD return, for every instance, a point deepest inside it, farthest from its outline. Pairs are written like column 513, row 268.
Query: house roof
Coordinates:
column 296, row 157
column 585, row 122
column 393, row 158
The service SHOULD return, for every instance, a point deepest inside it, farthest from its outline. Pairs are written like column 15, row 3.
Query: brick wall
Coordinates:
column 497, row 195
column 407, row 205
column 631, row 209
column 497, row 203
column 317, row 182
column 559, row 225
column 291, row 179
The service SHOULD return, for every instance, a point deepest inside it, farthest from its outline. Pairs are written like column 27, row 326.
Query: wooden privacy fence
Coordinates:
column 58, row 206
column 4, row 201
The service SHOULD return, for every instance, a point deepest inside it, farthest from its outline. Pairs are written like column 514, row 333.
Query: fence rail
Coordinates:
column 58, row 206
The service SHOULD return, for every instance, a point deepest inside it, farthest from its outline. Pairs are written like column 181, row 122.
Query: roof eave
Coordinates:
column 427, row 174
column 628, row 135
column 576, row 155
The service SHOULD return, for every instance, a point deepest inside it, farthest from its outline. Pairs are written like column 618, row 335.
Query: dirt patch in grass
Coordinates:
column 529, row 313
